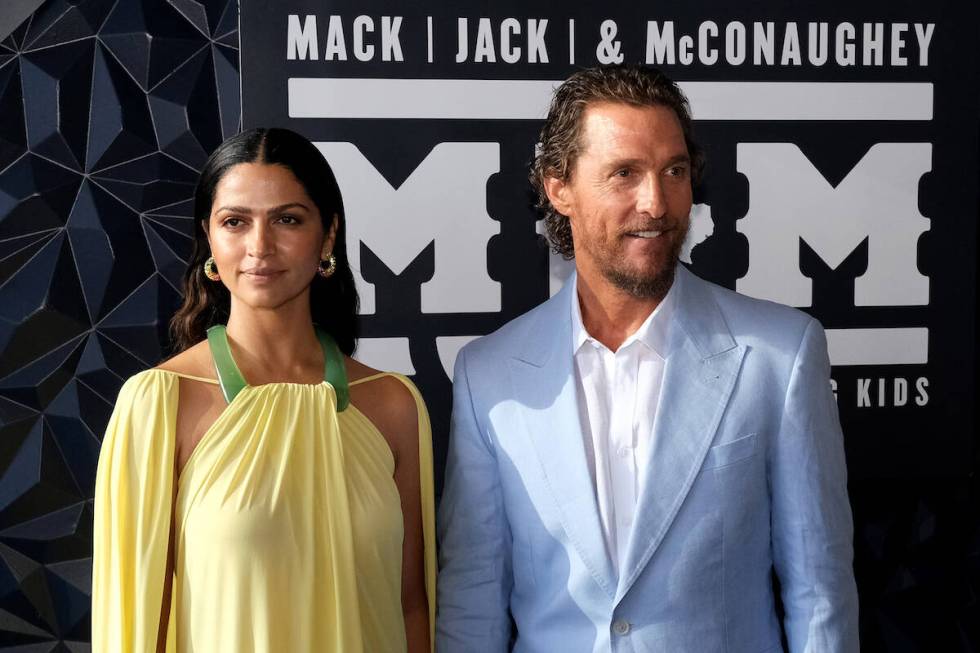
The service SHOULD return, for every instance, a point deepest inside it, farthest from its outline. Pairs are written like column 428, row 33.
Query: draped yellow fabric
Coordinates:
column 288, row 525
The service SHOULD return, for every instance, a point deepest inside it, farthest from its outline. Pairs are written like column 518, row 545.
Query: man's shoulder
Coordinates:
column 745, row 306
column 514, row 336
column 757, row 319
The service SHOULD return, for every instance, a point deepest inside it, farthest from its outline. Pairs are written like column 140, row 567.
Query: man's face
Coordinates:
column 628, row 197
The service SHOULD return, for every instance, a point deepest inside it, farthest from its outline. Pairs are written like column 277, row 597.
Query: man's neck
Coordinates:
column 610, row 314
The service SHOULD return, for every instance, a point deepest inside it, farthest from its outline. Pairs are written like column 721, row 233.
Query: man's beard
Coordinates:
column 646, row 284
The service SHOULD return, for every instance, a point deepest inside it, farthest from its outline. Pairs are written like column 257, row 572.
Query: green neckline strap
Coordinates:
column 232, row 382
column 229, row 376
column 334, row 371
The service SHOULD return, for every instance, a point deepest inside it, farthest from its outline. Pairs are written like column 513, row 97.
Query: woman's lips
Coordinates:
column 262, row 275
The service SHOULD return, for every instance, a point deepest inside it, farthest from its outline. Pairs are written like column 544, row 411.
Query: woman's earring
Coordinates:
column 327, row 266
column 210, row 271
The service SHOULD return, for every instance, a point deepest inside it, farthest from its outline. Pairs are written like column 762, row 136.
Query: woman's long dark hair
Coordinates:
column 333, row 301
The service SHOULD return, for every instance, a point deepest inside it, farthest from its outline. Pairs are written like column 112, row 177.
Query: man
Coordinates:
column 631, row 460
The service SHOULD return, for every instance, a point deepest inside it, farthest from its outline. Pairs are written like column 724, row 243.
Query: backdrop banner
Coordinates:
column 841, row 144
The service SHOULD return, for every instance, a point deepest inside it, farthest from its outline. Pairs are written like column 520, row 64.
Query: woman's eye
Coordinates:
column 289, row 219
column 232, row 222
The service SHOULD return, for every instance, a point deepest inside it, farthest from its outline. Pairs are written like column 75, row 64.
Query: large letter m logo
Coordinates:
column 877, row 201
column 443, row 201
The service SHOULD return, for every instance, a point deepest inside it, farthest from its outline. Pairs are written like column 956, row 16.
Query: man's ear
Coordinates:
column 558, row 193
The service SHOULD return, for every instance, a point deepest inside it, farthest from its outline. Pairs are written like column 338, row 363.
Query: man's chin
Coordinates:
column 643, row 285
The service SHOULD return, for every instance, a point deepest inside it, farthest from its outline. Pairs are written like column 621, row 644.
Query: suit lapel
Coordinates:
column 701, row 370
column 544, row 384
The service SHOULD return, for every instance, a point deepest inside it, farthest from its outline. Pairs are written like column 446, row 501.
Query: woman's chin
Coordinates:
column 266, row 298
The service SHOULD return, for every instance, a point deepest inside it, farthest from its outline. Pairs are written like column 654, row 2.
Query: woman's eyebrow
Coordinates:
column 290, row 205
column 276, row 209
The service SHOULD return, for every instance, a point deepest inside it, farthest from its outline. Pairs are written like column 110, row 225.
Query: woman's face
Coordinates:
column 266, row 235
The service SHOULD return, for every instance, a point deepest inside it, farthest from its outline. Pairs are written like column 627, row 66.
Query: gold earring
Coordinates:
column 210, row 271
column 327, row 266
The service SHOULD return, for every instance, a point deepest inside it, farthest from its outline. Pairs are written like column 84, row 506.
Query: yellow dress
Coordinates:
column 288, row 525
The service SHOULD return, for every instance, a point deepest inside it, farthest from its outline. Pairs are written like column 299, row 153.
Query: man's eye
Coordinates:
column 677, row 171
column 624, row 172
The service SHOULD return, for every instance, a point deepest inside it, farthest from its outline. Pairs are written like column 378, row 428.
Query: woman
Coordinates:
column 262, row 491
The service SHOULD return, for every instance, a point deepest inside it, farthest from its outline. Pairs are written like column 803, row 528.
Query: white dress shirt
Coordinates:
column 618, row 395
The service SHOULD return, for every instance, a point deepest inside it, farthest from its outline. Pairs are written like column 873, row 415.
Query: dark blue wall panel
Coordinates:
column 107, row 109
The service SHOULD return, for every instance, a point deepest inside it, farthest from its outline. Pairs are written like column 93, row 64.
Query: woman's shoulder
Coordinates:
column 388, row 399
column 142, row 388
column 194, row 362
column 157, row 385
column 143, row 410
column 384, row 386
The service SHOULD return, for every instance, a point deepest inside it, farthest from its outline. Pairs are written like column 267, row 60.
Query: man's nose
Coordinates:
column 650, row 197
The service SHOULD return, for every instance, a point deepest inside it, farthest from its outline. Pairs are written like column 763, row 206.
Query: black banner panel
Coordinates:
column 842, row 159
column 842, row 177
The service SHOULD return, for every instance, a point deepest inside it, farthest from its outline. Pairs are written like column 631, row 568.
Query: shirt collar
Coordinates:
column 654, row 333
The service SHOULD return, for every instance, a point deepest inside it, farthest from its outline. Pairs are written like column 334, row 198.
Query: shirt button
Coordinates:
column 621, row 627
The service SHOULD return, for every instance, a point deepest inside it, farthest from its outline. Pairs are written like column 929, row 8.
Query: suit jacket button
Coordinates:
column 621, row 627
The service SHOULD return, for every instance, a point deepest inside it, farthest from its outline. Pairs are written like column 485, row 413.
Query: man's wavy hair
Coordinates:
column 560, row 142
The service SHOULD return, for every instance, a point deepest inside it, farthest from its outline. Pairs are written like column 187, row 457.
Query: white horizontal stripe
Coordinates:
column 809, row 100
column 521, row 99
column 878, row 346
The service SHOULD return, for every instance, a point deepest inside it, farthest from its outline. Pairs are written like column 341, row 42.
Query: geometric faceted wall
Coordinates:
column 107, row 110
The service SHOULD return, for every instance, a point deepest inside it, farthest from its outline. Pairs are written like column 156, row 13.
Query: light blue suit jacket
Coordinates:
column 746, row 475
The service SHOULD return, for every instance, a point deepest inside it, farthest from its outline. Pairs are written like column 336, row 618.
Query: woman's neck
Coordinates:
column 271, row 345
